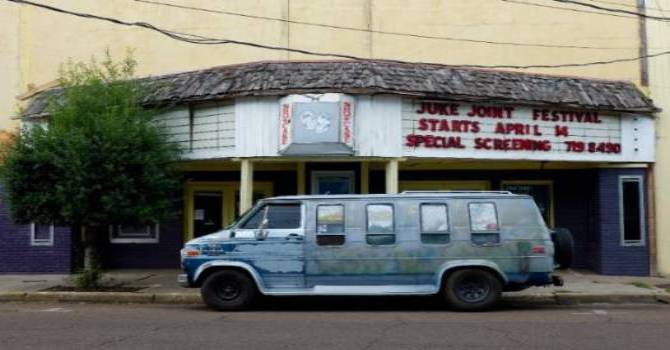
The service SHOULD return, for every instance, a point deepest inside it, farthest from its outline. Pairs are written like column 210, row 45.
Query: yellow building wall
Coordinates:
column 659, row 41
column 42, row 40
column 9, row 64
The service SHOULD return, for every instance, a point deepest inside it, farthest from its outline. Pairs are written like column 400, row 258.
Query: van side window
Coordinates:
column 434, row 223
column 484, row 223
column 330, row 224
column 380, row 224
column 280, row 216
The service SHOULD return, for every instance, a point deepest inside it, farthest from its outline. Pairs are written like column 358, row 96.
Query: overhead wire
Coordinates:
column 569, row 9
column 614, row 10
column 203, row 40
column 372, row 31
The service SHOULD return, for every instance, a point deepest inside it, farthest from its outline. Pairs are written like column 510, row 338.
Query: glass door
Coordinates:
column 207, row 212
column 333, row 182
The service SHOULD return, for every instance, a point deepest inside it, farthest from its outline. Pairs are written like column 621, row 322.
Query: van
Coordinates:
column 466, row 246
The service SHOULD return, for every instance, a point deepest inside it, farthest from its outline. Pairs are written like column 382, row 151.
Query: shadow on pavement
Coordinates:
column 369, row 303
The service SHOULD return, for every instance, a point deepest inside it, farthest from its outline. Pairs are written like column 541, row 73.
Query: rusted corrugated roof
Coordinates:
column 373, row 77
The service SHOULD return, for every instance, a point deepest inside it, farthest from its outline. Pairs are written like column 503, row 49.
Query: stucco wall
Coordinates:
column 659, row 68
column 42, row 40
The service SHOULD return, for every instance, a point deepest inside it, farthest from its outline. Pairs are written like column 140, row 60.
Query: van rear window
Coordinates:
column 484, row 228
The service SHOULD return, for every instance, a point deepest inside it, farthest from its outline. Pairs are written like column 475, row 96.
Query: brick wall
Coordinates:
column 18, row 256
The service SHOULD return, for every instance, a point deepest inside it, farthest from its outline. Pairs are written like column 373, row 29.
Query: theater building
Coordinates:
column 581, row 147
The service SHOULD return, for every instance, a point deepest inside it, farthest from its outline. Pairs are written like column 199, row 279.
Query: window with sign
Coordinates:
column 330, row 224
column 484, row 228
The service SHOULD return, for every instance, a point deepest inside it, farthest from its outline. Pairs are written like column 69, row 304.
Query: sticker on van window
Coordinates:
column 483, row 217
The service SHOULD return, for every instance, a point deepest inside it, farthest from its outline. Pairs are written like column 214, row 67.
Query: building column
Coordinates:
column 392, row 176
column 300, row 178
column 365, row 177
column 246, row 184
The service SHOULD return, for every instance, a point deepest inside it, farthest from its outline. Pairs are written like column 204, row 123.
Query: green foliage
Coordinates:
column 89, row 278
column 640, row 284
column 101, row 160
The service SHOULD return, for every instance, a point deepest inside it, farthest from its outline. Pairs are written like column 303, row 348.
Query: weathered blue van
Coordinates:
column 466, row 246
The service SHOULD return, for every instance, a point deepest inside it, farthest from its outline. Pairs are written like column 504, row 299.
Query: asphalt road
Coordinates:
column 332, row 324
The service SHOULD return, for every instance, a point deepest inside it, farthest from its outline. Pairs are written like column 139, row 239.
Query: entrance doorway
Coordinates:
column 207, row 212
column 211, row 206
column 333, row 182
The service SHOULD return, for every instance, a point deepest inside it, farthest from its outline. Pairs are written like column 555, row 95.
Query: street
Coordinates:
column 340, row 323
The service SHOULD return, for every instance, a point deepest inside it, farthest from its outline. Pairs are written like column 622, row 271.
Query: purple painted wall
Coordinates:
column 615, row 258
column 164, row 254
column 586, row 202
column 18, row 256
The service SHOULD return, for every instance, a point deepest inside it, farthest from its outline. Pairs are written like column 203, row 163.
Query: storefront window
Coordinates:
column 632, row 210
column 332, row 182
column 133, row 234
column 540, row 190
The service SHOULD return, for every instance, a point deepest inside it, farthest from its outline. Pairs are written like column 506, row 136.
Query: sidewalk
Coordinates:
column 160, row 286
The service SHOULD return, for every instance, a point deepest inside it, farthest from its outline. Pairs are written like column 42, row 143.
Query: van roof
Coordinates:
column 408, row 194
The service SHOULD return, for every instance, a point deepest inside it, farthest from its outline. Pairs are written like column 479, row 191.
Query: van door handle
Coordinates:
column 294, row 236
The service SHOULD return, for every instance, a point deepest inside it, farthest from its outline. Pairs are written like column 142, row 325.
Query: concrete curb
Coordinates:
column 191, row 298
column 587, row 298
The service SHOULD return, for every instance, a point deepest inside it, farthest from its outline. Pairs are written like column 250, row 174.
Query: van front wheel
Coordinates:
column 228, row 290
column 472, row 290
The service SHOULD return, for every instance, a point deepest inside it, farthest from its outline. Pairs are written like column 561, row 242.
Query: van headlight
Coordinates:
column 189, row 252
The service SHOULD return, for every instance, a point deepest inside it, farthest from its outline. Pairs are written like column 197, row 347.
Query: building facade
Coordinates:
column 583, row 147
column 659, row 86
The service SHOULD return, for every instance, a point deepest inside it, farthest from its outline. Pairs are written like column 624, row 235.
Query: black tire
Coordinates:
column 472, row 290
column 228, row 290
column 564, row 247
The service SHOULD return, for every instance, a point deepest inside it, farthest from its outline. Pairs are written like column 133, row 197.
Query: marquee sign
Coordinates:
column 499, row 131
column 316, row 124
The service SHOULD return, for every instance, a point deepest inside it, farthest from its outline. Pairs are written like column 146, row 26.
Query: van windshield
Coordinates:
column 241, row 217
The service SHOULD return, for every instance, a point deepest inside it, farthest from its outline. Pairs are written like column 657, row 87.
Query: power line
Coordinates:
column 566, row 8
column 613, row 10
column 622, row 5
column 364, row 30
column 201, row 40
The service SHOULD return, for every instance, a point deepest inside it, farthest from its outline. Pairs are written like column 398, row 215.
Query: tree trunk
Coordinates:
column 89, row 251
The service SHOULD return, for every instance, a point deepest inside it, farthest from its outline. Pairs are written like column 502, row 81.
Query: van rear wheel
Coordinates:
column 472, row 290
column 228, row 290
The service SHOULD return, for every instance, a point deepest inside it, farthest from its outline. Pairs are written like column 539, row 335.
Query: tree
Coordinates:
column 100, row 160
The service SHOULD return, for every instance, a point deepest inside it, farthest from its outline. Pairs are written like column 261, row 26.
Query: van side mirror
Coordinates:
column 262, row 232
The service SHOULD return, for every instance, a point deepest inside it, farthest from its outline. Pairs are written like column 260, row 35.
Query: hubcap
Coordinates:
column 228, row 290
column 473, row 290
